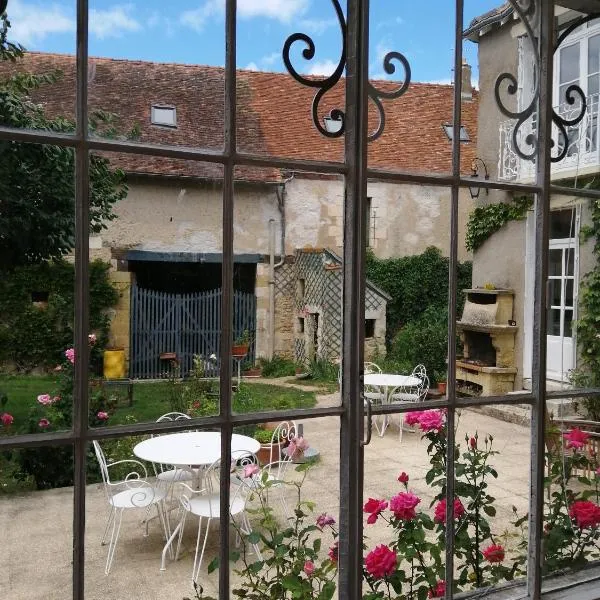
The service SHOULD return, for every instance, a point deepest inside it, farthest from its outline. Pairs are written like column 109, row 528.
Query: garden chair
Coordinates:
column 279, row 460
column 373, row 392
column 205, row 504
column 410, row 394
column 167, row 475
column 132, row 492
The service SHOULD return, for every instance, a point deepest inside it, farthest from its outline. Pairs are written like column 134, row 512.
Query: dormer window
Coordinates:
column 166, row 116
column 449, row 130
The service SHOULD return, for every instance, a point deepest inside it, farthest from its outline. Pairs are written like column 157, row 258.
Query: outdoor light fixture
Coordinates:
column 332, row 125
column 476, row 190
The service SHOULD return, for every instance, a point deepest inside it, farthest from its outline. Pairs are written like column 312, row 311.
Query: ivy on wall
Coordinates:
column 486, row 220
column 37, row 312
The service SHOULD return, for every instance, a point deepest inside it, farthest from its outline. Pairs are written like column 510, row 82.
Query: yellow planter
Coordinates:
column 114, row 364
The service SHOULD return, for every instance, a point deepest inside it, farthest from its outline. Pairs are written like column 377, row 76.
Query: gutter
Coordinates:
column 488, row 21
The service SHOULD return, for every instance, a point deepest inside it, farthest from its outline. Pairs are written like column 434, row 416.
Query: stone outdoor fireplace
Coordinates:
column 487, row 332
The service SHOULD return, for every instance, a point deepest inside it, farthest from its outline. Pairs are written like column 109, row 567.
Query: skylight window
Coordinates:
column 164, row 115
column 449, row 130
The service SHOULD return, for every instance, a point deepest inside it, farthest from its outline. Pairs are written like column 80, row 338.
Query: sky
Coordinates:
column 192, row 32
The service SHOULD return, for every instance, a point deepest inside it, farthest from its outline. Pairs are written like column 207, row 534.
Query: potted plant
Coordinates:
column 268, row 451
column 241, row 344
column 441, row 383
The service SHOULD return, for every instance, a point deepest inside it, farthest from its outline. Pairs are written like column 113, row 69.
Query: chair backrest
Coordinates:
column 371, row 367
column 279, row 458
column 173, row 416
column 103, row 468
column 420, row 371
column 424, row 388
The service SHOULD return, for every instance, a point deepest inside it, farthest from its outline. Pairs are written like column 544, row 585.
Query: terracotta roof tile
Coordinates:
column 274, row 115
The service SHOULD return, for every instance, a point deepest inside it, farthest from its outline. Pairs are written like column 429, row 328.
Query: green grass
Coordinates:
column 151, row 400
column 324, row 387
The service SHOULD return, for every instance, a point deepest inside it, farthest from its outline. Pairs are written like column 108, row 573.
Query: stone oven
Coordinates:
column 487, row 332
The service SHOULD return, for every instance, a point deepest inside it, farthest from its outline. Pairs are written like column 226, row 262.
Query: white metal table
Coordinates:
column 190, row 449
column 389, row 382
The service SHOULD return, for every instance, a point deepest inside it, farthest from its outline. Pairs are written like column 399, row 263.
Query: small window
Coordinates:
column 300, row 287
column 449, row 129
column 300, row 325
column 370, row 328
column 164, row 115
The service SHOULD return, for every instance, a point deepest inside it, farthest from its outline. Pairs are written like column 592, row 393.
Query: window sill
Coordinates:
column 583, row 585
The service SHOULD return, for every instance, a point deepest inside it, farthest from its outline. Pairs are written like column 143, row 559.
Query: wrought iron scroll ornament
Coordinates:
column 324, row 85
column 573, row 93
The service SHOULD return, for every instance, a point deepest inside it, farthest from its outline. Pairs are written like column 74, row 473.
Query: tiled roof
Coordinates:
column 489, row 18
column 274, row 115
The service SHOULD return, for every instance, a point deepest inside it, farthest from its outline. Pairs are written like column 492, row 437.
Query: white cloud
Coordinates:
column 32, row 23
column 326, row 67
column 270, row 59
column 113, row 22
column 280, row 10
column 252, row 67
column 317, row 26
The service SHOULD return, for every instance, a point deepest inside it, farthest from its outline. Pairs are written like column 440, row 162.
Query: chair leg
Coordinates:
column 400, row 427
column 198, row 560
column 109, row 520
column 116, row 529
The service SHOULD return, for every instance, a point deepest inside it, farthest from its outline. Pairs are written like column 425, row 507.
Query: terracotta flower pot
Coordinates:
column 441, row 386
column 266, row 454
column 239, row 350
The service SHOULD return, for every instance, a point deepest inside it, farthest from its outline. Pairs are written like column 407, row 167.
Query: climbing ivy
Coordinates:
column 486, row 220
column 588, row 325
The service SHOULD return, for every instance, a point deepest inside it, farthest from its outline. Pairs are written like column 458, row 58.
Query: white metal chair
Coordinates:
column 167, row 475
column 280, row 460
column 372, row 392
column 410, row 394
column 132, row 492
column 205, row 504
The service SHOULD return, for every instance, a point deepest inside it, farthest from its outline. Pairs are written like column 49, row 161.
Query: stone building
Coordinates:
column 167, row 234
column 505, row 46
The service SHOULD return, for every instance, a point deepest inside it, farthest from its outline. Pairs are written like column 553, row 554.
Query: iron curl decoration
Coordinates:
column 324, row 85
column 573, row 93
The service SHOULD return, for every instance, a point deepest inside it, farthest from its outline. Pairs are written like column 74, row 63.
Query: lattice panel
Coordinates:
column 285, row 280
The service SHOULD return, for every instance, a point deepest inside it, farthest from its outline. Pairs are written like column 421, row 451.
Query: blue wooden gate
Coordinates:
column 186, row 324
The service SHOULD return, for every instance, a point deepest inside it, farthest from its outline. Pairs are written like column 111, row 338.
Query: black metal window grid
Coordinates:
column 356, row 172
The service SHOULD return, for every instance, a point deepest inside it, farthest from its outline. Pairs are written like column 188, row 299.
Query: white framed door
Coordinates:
column 563, row 267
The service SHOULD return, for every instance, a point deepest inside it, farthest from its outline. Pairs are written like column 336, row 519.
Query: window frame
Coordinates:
column 356, row 172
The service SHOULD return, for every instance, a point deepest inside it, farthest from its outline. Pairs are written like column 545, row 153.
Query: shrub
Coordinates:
column 31, row 336
column 278, row 366
column 321, row 369
column 423, row 341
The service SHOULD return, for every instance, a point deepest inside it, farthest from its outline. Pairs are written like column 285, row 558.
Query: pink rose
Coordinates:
column 43, row 423
column 374, row 508
column 70, row 354
column 251, row 470
column 576, row 438
column 7, row 419
column 412, row 418
column 403, row 478
column 493, row 553
column 431, row 420
column 440, row 510
column 309, row 567
column 44, row 399
column 333, row 552
column 102, row 416
column 439, row 591
column 585, row 514
column 403, row 505
column 473, row 443
column 297, row 445
column 324, row 520
column 381, row 562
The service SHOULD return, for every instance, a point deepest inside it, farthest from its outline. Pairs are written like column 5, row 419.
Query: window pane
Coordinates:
column 568, row 323
column 570, row 260
column 562, row 223
column 554, row 322
column 555, row 291
column 593, row 88
column 593, row 55
column 569, row 292
column 555, row 263
column 569, row 64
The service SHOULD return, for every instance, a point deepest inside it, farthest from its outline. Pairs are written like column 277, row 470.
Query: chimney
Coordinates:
column 467, row 86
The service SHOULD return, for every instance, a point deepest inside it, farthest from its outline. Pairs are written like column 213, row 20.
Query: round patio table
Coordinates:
column 197, row 448
column 389, row 382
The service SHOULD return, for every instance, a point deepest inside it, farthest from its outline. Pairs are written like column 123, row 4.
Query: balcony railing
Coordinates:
column 583, row 151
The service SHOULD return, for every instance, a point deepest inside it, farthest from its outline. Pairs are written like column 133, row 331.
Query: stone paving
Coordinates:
column 36, row 527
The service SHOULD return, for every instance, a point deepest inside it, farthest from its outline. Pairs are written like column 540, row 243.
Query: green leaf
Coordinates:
column 213, row 565
column 489, row 510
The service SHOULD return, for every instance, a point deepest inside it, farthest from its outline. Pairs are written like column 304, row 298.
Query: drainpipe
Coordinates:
column 280, row 192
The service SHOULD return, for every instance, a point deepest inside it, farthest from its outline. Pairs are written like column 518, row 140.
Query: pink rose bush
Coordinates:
column 7, row 419
column 576, row 439
column 585, row 514
column 403, row 505
column 297, row 446
column 381, row 562
column 440, row 510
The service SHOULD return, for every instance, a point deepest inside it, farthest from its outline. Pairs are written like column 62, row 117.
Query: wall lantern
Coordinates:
column 476, row 190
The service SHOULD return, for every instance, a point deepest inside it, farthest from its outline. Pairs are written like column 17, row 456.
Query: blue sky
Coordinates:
column 192, row 31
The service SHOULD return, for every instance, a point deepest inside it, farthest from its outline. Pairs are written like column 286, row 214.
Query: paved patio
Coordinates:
column 36, row 527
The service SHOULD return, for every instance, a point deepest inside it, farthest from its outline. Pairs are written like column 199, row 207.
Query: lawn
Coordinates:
column 151, row 400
